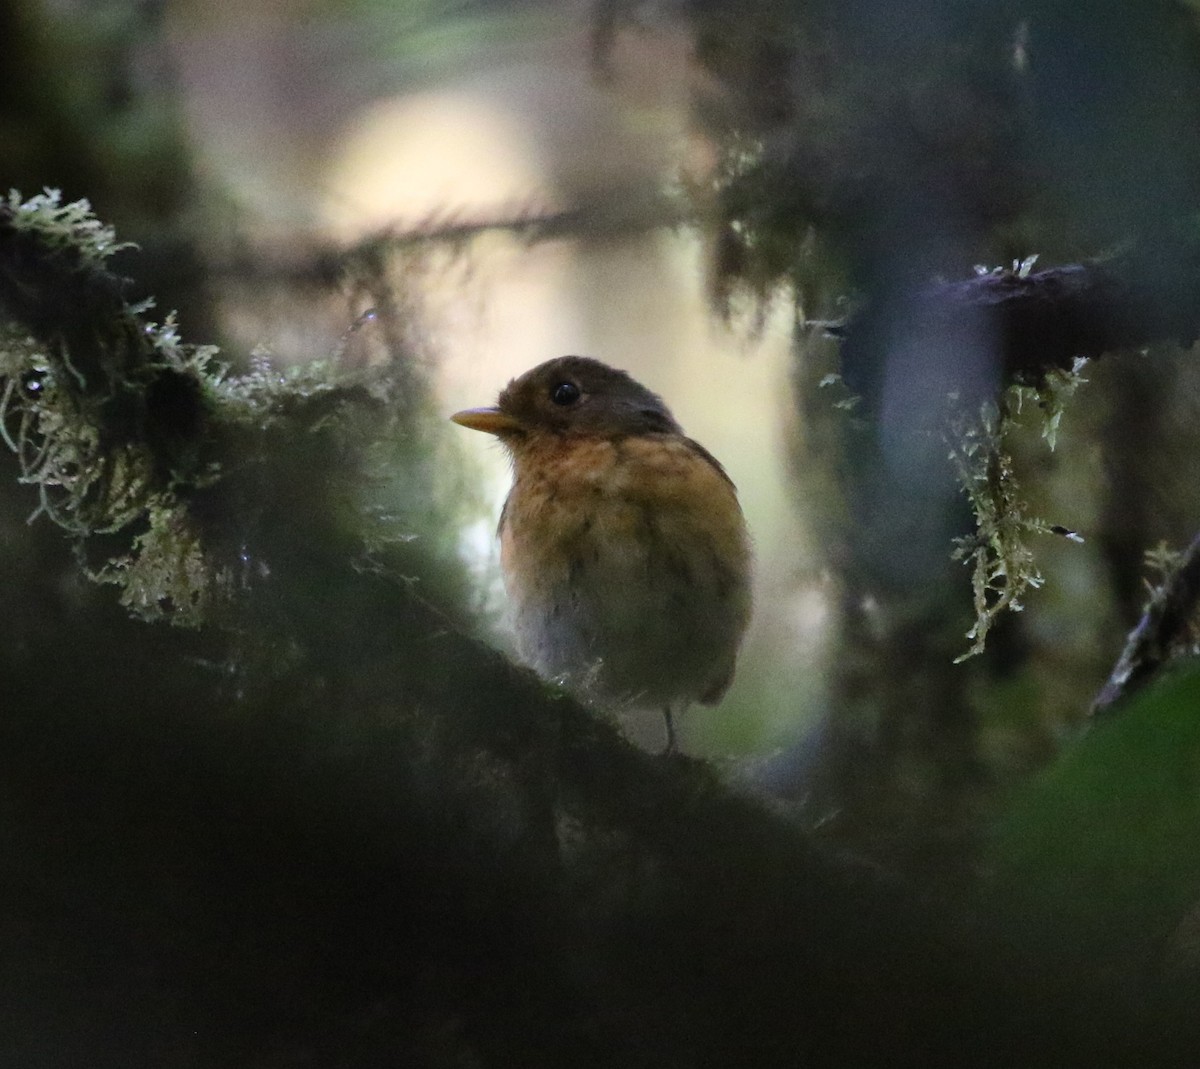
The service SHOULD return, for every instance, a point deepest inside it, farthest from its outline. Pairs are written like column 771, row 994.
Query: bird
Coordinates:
column 625, row 554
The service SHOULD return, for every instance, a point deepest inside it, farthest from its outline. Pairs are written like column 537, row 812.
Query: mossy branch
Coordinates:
column 98, row 401
column 127, row 431
column 1022, row 338
column 1037, row 322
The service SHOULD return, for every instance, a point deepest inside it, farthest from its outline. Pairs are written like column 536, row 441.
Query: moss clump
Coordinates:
column 129, row 433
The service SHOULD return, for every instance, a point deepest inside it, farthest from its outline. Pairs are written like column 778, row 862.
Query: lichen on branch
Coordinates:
column 1003, row 564
column 127, row 431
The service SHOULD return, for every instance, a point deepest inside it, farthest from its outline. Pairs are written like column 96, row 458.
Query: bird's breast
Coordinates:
column 627, row 562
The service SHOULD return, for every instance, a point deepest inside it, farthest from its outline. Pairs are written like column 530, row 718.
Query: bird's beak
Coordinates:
column 488, row 420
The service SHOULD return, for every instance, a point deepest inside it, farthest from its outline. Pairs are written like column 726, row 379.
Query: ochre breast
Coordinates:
column 631, row 552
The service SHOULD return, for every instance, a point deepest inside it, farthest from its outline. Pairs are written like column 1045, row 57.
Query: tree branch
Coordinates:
column 1037, row 322
column 1162, row 631
column 620, row 213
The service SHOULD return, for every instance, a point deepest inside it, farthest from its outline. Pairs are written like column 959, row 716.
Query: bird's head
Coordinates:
column 572, row 395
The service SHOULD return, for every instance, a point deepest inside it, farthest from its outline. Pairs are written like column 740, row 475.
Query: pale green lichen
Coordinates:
column 1163, row 562
column 125, row 448
column 1003, row 565
column 1019, row 268
column 845, row 400
column 1050, row 396
column 87, row 482
column 64, row 226
column 166, row 574
column 268, row 393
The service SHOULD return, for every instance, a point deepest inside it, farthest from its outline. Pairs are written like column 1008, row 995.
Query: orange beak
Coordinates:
column 488, row 420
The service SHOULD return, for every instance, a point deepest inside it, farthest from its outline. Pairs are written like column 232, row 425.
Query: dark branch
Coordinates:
column 619, row 213
column 1040, row 322
column 1162, row 631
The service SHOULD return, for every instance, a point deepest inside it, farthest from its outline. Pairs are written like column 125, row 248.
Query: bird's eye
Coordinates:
column 565, row 393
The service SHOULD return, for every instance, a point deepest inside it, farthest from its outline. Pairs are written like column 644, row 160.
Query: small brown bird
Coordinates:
column 624, row 550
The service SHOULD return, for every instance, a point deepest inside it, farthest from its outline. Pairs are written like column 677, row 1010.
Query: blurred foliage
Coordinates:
column 928, row 136
column 1095, row 858
column 425, row 34
column 867, row 152
column 88, row 105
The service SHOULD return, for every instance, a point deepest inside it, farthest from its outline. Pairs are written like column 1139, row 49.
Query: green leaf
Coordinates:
column 1100, row 855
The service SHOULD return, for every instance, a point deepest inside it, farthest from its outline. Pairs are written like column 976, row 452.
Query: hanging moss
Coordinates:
column 1003, row 564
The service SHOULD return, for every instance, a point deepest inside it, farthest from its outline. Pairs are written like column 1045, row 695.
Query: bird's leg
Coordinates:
column 669, row 721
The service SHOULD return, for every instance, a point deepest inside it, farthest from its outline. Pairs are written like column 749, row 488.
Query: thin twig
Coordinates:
column 617, row 215
column 1161, row 632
